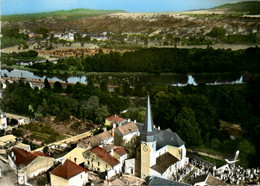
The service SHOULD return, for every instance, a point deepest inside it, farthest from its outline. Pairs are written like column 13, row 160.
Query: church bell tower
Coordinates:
column 148, row 143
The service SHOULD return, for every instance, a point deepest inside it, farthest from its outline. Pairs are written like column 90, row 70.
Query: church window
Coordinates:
column 98, row 163
column 88, row 162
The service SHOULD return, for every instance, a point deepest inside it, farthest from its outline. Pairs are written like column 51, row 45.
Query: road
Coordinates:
column 69, row 140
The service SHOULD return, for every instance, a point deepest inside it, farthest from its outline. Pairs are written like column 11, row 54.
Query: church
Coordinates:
column 160, row 153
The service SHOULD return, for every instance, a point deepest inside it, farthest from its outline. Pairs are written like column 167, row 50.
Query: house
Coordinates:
column 28, row 164
column 98, row 159
column 76, row 155
column 109, row 120
column 207, row 179
column 7, row 140
column 94, row 141
column 20, row 121
column 22, row 146
column 68, row 173
column 3, row 121
column 127, row 136
column 120, row 153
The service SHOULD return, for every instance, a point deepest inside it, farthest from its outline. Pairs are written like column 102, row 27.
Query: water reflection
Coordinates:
column 175, row 80
column 30, row 75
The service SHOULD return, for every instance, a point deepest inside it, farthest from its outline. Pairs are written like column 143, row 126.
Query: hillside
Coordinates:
column 59, row 15
column 250, row 8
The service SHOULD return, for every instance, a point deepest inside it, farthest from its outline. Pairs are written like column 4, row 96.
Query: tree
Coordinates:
column 101, row 113
column 47, row 84
column 187, row 127
column 58, row 87
column 217, row 32
column 247, row 153
column 63, row 116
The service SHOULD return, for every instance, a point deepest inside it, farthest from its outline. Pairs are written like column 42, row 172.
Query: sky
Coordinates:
column 33, row 6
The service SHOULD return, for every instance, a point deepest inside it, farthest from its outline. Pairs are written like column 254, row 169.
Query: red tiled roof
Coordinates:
column 120, row 151
column 104, row 155
column 23, row 157
column 37, row 153
column 67, row 170
column 115, row 118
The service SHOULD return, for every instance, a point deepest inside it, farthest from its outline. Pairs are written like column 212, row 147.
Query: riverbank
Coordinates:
column 132, row 78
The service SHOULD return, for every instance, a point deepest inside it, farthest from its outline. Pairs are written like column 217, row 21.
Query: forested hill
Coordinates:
column 59, row 14
column 250, row 8
column 157, row 60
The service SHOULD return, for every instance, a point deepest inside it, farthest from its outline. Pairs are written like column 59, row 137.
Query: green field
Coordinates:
column 250, row 8
column 59, row 15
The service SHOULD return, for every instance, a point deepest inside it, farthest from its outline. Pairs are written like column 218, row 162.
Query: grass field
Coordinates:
column 250, row 8
column 59, row 15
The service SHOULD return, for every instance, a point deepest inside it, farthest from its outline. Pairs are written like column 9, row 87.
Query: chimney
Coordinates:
column 114, row 125
column 104, row 129
column 128, row 120
column 134, row 121
column 112, row 151
column 159, row 128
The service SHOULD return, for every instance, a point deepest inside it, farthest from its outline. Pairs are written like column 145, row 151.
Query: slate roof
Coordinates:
column 24, row 157
column 167, row 137
column 209, row 180
column 114, row 118
column 127, row 128
column 104, row 155
column 164, row 137
column 120, row 151
column 163, row 162
column 67, row 170
column 154, row 180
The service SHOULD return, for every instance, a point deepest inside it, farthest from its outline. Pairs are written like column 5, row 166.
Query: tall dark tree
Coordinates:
column 47, row 84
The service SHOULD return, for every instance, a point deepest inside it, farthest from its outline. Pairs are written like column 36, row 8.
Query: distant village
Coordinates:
column 131, row 153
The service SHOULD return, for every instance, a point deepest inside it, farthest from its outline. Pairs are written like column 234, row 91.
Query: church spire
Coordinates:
column 148, row 130
column 148, row 125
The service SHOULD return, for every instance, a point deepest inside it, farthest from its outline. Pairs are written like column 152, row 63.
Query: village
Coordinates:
column 129, row 153
column 109, row 97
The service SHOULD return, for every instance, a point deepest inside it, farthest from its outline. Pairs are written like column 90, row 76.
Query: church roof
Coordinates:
column 163, row 162
column 167, row 137
column 209, row 180
column 154, row 181
column 163, row 137
column 68, row 169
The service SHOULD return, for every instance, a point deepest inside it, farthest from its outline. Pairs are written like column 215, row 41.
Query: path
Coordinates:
column 69, row 140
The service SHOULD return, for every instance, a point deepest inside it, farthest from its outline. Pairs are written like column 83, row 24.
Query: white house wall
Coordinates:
column 79, row 180
column 130, row 165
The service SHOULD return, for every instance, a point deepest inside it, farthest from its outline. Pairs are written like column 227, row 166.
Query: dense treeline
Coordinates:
column 12, row 37
column 164, row 60
column 192, row 111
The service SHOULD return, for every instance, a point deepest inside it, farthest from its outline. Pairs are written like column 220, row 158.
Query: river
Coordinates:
column 133, row 78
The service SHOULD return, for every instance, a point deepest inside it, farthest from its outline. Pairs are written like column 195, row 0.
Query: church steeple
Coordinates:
column 148, row 125
column 148, row 130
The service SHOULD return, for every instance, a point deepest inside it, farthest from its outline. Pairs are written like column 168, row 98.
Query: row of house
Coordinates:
column 140, row 150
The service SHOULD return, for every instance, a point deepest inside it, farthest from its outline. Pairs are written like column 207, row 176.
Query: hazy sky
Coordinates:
column 32, row 6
